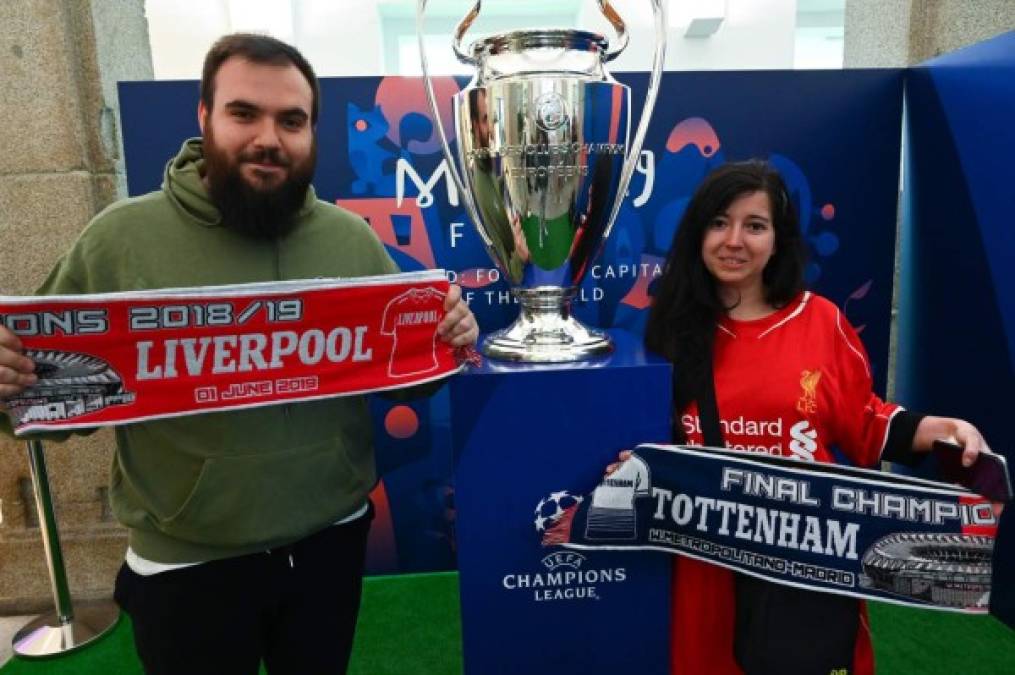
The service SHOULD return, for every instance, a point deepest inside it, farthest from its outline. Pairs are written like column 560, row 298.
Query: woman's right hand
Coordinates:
column 621, row 458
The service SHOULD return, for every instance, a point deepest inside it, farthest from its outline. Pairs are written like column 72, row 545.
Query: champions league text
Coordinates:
column 564, row 578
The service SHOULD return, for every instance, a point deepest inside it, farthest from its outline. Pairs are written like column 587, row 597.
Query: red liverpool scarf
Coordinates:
column 126, row 357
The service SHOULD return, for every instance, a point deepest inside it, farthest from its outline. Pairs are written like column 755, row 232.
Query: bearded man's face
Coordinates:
column 259, row 147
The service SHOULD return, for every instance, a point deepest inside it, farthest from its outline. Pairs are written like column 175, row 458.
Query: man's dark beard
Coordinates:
column 261, row 214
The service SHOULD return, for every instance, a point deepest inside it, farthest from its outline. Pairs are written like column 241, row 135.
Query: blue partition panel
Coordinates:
column 526, row 439
column 957, row 293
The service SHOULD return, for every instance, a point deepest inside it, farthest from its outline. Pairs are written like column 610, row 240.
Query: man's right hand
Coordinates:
column 16, row 369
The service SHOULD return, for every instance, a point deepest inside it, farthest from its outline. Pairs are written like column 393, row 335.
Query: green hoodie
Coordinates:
column 218, row 485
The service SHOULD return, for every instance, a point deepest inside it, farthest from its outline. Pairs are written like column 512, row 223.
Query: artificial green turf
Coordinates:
column 410, row 625
column 908, row 640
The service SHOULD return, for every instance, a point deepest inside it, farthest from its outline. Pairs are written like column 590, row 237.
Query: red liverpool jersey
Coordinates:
column 794, row 384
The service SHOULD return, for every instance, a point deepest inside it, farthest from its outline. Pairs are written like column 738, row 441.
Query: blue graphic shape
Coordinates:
column 612, row 271
column 824, row 244
column 677, row 177
column 371, row 154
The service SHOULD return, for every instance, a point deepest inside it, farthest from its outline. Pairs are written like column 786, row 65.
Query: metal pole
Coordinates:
column 50, row 535
column 59, row 631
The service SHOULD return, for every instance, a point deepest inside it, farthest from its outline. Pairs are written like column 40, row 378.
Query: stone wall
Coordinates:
column 899, row 33
column 61, row 164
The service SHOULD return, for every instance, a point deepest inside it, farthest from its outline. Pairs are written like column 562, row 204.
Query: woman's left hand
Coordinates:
column 953, row 430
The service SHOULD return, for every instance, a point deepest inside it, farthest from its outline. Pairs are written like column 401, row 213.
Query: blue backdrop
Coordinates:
column 957, row 284
column 835, row 136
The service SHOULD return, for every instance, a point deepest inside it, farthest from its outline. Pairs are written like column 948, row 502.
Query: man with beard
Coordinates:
column 247, row 528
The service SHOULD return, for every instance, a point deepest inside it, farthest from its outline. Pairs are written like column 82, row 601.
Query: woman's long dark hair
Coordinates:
column 687, row 307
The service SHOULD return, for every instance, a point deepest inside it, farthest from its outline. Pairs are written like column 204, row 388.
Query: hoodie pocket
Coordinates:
column 244, row 500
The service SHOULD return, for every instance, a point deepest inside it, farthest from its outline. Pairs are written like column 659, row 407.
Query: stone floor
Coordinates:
column 9, row 625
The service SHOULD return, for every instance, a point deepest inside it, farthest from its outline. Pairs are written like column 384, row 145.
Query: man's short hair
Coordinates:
column 261, row 49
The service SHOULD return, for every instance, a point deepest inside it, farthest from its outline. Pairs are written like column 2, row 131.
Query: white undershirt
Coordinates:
column 147, row 568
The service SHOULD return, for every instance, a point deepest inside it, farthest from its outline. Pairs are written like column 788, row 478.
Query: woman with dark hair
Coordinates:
column 762, row 365
column 699, row 287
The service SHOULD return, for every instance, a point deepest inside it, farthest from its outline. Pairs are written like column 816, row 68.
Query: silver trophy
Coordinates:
column 544, row 161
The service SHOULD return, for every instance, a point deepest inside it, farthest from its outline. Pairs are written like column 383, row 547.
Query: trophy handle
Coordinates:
column 604, row 6
column 463, row 26
column 618, row 25
column 634, row 153
column 466, row 195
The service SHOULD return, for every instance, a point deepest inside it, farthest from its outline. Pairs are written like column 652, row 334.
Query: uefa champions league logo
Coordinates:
column 564, row 575
column 563, row 559
column 550, row 509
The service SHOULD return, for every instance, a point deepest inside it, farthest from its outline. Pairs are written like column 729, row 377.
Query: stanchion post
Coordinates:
column 59, row 631
column 50, row 535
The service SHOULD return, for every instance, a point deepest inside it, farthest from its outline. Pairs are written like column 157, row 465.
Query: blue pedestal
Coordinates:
column 520, row 434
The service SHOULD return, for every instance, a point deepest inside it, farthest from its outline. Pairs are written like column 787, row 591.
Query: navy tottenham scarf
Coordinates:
column 821, row 527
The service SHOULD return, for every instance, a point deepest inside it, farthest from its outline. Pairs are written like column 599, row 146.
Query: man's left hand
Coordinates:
column 459, row 327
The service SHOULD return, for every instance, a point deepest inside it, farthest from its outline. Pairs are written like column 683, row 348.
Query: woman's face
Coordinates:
column 739, row 242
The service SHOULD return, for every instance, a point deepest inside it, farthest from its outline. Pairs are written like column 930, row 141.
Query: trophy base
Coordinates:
column 543, row 339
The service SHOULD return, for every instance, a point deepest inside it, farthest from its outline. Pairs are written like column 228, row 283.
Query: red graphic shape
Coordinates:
column 618, row 102
column 401, row 422
column 476, row 277
column 378, row 212
column 638, row 296
column 693, row 131
column 984, row 529
column 861, row 292
column 382, row 550
column 399, row 96
column 828, row 211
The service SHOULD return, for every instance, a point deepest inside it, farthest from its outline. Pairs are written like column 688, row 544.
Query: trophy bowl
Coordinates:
column 544, row 159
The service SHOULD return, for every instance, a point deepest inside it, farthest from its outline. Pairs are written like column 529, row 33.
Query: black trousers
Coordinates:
column 294, row 608
column 782, row 630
